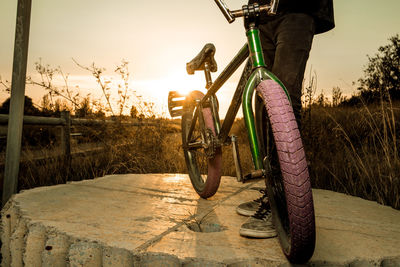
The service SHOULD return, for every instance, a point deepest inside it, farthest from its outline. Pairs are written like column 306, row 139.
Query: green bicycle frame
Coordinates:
column 243, row 94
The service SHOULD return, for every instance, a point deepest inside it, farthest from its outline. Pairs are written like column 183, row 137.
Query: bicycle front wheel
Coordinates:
column 288, row 181
column 204, row 160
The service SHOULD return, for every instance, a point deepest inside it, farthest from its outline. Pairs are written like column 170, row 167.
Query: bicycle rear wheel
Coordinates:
column 204, row 161
column 288, row 182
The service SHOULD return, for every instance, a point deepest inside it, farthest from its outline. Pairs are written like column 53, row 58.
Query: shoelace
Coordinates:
column 263, row 211
column 259, row 200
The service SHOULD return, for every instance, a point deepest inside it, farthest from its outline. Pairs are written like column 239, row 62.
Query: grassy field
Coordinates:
column 353, row 150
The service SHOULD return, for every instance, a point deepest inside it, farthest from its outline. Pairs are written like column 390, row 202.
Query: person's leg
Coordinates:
column 294, row 36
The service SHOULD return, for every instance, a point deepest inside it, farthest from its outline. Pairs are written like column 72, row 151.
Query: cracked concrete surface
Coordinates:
column 144, row 220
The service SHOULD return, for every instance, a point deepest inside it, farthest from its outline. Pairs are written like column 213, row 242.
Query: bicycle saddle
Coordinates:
column 205, row 55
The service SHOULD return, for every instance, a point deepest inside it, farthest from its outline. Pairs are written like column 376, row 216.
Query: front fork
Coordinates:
column 258, row 74
column 255, row 78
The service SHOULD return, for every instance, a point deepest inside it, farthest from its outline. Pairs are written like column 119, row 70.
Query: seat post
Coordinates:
column 207, row 73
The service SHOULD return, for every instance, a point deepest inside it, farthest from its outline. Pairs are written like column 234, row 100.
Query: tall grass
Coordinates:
column 355, row 150
column 118, row 149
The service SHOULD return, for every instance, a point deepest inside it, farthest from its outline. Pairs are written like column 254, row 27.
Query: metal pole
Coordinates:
column 16, row 112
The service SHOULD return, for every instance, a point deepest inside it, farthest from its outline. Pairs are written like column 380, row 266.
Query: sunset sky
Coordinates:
column 159, row 37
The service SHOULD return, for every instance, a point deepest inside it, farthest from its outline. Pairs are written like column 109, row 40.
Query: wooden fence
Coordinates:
column 66, row 122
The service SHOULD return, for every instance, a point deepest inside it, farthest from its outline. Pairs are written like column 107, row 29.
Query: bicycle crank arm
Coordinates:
column 257, row 174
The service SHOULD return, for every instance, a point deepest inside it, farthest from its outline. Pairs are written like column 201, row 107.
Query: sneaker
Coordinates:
column 249, row 208
column 260, row 224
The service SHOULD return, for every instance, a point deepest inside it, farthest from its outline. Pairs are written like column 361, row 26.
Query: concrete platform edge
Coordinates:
column 29, row 243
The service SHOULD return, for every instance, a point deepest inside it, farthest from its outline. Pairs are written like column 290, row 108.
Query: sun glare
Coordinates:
column 183, row 83
column 184, row 91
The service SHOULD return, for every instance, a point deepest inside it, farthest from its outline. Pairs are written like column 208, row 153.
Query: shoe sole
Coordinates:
column 244, row 212
column 257, row 234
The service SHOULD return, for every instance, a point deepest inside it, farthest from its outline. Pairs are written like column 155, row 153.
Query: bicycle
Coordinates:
column 275, row 142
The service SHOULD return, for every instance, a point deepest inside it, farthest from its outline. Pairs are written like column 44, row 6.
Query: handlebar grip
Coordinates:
column 225, row 11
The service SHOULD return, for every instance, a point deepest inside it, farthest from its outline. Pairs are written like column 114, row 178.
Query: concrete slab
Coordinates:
column 158, row 220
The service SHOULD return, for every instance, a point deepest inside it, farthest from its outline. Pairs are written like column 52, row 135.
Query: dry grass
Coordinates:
column 350, row 150
column 125, row 149
column 355, row 151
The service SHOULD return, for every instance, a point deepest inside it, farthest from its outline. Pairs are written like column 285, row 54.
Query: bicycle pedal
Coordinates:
column 257, row 174
column 175, row 103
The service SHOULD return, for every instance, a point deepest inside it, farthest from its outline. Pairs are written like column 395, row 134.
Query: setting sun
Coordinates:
column 184, row 91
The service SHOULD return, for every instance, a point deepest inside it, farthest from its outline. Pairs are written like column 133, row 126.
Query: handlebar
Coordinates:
column 230, row 16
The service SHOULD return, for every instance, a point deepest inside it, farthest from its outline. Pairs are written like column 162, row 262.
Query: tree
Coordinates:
column 134, row 112
column 382, row 73
column 29, row 108
column 321, row 100
column 84, row 109
column 337, row 96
